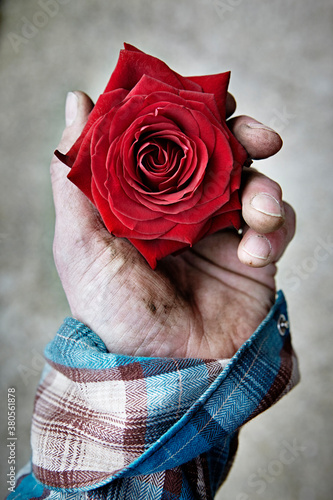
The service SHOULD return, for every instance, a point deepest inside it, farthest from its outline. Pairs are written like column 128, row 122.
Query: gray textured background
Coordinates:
column 280, row 55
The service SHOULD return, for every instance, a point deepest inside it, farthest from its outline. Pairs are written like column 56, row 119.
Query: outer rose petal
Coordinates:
column 80, row 173
column 104, row 103
column 148, row 85
column 155, row 250
column 217, row 85
column 133, row 64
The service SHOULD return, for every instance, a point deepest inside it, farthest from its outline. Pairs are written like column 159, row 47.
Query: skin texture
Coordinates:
column 204, row 303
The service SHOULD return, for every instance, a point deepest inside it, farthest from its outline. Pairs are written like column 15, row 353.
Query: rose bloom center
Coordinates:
column 159, row 164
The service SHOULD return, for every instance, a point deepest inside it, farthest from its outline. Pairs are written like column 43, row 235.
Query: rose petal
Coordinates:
column 114, row 224
column 184, row 233
column 103, row 105
column 207, row 102
column 133, row 64
column 80, row 173
column 155, row 250
column 147, row 85
column 99, row 162
column 217, row 85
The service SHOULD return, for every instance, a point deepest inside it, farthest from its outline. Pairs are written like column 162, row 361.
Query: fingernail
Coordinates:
column 258, row 246
column 261, row 126
column 71, row 108
column 266, row 204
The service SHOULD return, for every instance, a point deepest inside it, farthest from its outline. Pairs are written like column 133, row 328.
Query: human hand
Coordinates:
column 204, row 303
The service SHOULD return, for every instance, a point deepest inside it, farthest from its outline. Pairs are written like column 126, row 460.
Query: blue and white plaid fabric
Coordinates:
column 107, row 426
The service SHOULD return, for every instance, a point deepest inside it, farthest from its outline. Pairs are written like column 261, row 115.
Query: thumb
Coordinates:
column 77, row 110
column 76, row 217
column 78, row 107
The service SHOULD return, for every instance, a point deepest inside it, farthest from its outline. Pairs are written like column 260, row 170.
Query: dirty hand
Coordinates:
column 204, row 303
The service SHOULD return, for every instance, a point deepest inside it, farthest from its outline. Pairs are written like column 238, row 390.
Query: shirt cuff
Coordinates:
column 101, row 416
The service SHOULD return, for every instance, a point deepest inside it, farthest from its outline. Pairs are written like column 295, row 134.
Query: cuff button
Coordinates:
column 282, row 324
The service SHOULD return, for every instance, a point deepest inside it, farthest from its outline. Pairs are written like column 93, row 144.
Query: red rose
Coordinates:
column 156, row 156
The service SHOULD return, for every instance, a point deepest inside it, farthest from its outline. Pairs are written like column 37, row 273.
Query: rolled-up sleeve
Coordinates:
column 117, row 427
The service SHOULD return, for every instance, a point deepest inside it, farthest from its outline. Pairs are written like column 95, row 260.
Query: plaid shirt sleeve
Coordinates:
column 108, row 426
